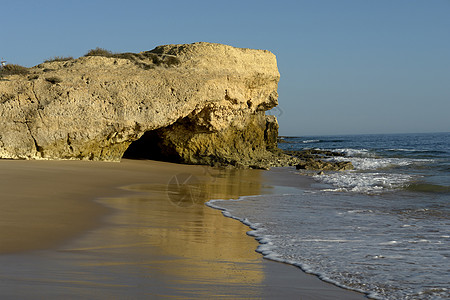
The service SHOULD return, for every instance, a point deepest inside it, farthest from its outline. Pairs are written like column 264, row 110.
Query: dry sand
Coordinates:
column 148, row 234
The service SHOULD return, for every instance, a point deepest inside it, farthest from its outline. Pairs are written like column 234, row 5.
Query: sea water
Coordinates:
column 382, row 228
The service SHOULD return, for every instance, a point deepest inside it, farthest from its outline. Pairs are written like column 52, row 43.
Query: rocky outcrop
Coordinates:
column 317, row 164
column 314, row 159
column 200, row 103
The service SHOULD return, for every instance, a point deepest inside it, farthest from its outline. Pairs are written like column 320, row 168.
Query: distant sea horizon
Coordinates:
column 356, row 134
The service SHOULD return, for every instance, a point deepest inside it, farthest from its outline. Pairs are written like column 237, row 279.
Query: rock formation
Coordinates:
column 200, row 103
column 314, row 159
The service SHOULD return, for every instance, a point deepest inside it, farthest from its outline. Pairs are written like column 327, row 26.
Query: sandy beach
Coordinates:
column 137, row 230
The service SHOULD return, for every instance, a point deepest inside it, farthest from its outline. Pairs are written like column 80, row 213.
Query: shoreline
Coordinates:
column 284, row 181
column 144, row 239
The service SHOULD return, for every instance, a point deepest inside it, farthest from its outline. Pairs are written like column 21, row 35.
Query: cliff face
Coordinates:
column 198, row 103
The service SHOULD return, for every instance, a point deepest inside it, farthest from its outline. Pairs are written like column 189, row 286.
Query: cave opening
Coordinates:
column 151, row 146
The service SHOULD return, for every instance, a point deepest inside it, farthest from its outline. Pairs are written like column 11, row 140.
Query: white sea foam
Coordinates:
column 363, row 159
column 364, row 182
column 310, row 141
column 369, row 163
column 354, row 152
column 369, row 175
column 389, row 243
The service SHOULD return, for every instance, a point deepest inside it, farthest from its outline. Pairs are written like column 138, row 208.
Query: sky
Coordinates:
column 347, row 66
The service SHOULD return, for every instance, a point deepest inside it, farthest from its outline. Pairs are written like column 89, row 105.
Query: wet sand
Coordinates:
column 137, row 229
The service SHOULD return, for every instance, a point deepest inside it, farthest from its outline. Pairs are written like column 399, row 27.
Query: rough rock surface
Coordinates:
column 314, row 159
column 317, row 164
column 197, row 103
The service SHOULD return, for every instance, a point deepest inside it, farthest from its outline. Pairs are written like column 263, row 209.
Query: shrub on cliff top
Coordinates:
column 12, row 69
column 59, row 58
column 99, row 52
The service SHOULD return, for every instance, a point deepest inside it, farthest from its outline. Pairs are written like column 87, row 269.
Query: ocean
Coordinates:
column 382, row 228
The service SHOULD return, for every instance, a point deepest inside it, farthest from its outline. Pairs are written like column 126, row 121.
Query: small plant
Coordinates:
column 53, row 79
column 33, row 77
column 59, row 58
column 127, row 55
column 99, row 52
column 162, row 59
column 171, row 60
column 12, row 69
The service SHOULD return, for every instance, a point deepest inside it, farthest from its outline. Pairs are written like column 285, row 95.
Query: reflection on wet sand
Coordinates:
column 160, row 240
column 201, row 247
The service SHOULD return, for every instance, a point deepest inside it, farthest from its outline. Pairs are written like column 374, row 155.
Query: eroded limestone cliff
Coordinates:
column 200, row 103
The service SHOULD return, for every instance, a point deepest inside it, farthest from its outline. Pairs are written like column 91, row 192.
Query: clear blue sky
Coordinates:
column 347, row 66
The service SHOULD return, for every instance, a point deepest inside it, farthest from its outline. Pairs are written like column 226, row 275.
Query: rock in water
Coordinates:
column 198, row 103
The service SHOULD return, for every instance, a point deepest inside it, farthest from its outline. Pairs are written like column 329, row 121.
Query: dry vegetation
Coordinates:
column 53, row 79
column 146, row 60
column 12, row 69
column 59, row 58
